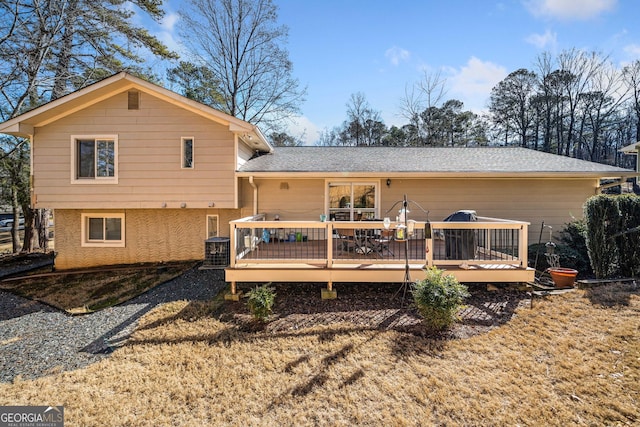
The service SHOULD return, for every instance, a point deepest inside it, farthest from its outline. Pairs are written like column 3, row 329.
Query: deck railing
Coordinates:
column 255, row 241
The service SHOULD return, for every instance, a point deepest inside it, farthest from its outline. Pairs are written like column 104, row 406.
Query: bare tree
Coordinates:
column 364, row 125
column 51, row 47
column 420, row 99
column 602, row 100
column 631, row 76
column 578, row 69
column 242, row 44
column 511, row 101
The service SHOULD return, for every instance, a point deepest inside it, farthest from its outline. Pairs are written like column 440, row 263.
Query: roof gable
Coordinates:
column 24, row 124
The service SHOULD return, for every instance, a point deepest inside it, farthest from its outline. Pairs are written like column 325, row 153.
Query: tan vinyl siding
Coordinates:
column 554, row 201
column 149, row 160
column 152, row 235
column 302, row 200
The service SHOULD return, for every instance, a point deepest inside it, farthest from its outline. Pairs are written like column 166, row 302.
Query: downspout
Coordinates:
column 255, row 195
column 32, row 192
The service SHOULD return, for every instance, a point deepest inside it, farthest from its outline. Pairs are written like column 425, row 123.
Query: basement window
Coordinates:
column 212, row 226
column 103, row 229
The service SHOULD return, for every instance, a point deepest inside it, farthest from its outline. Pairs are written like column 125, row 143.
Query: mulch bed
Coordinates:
column 15, row 264
column 377, row 306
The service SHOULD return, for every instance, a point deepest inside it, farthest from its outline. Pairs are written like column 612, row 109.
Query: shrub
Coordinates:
column 438, row 298
column 613, row 235
column 602, row 217
column 261, row 301
column 628, row 240
column 572, row 249
column 569, row 258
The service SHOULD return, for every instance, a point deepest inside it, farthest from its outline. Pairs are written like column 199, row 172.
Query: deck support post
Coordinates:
column 329, row 292
column 234, row 295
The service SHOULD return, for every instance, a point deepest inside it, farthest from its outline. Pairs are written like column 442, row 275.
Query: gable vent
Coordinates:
column 134, row 100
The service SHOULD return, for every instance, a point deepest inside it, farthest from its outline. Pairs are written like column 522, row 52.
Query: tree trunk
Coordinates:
column 29, row 235
column 15, row 238
column 42, row 227
column 64, row 55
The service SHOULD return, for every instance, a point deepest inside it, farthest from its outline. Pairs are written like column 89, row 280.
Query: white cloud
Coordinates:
column 569, row 9
column 167, row 31
column 303, row 127
column 543, row 41
column 396, row 54
column 632, row 51
column 472, row 83
column 169, row 21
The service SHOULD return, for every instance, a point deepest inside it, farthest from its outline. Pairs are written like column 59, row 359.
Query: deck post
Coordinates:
column 429, row 254
column 523, row 249
column 234, row 295
column 329, row 293
column 329, row 232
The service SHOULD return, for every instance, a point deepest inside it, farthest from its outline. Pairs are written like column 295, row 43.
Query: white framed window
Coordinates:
column 186, row 148
column 94, row 159
column 352, row 201
column 103, row 230
column 212, row 226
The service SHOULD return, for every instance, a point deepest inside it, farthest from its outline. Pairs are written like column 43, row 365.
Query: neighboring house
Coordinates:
column 137, row 173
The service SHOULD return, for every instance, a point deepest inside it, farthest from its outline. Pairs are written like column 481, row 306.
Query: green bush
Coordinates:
column 602, row 217
column 613, row 235
column 628, row 240
column 438, row 298
column 569, row 258
column 261, row 300
column 571, row 247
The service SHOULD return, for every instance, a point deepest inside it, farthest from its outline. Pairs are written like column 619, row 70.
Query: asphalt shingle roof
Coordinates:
column 509, row 160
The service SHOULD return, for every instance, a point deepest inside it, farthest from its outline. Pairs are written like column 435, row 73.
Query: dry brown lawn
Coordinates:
column 572, row 359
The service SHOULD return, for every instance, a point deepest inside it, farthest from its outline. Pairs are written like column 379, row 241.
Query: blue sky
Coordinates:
column 378, row 47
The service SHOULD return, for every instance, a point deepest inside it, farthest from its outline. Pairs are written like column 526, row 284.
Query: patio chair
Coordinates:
column 381, row 242
column 352, row 241
column 347, row 239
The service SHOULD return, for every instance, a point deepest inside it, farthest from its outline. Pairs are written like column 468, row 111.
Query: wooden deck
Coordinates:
column 490, row 251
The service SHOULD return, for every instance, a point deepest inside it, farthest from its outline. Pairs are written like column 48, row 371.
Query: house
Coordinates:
column 134, row 172
column 137, row 173
column 515, row 183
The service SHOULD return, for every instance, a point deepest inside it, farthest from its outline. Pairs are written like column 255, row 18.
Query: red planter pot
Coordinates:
column 563, row 277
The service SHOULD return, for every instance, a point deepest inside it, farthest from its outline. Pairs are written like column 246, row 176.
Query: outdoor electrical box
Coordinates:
column 217, row 252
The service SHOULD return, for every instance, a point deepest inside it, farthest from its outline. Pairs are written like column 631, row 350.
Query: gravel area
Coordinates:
column 38, row 340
